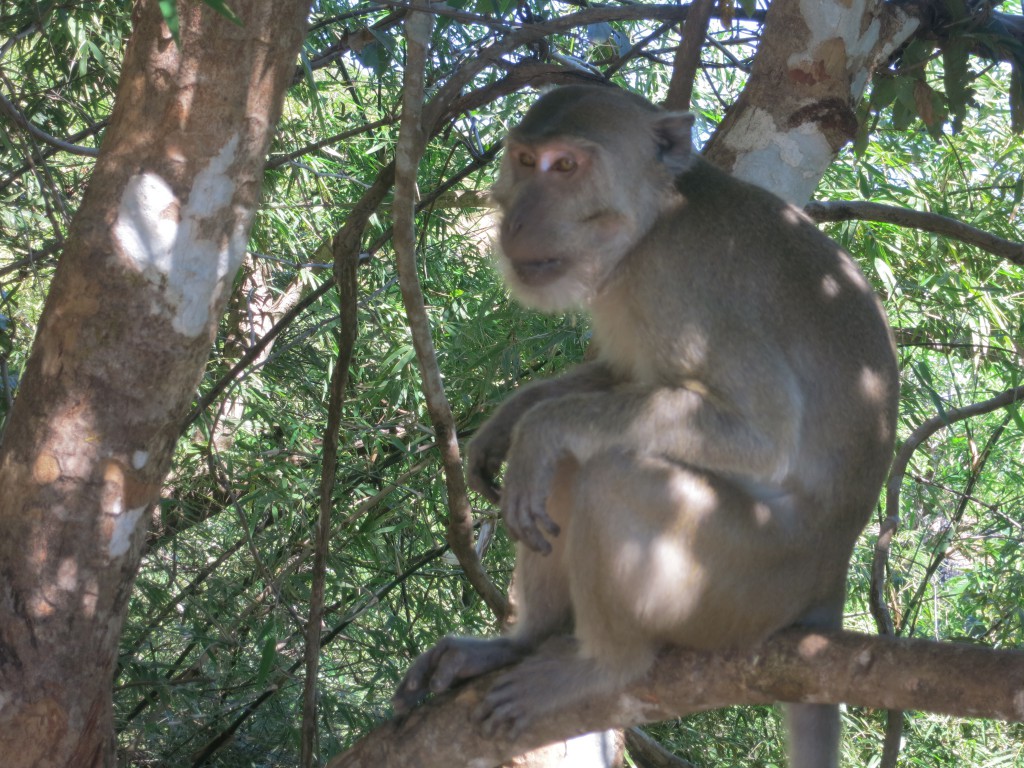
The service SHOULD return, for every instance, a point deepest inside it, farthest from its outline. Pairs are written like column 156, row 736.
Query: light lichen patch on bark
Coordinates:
column 187, row 250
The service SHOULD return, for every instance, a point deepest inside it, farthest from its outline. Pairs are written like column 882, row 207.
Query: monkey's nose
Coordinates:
column 512, row 224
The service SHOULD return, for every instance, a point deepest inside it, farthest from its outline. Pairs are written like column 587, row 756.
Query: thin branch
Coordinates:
column 794, row 665
column 277, row 161
column 648, row 753
column 439, row 107
column 346, row 266
column 891, row 522
column 411, row 144
column 224, row 736
column 687, row 58
column 923, row 220
column 252, row 353
column 12, row 113
column 36, row 258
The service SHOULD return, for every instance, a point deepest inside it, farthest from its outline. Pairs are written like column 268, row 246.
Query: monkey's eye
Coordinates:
column 527, row 160
column 564, row 164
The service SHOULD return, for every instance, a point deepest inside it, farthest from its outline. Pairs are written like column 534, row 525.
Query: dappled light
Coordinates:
column 233, row 438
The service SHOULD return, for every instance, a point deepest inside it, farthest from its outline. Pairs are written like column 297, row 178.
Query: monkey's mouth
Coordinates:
column 539, row 271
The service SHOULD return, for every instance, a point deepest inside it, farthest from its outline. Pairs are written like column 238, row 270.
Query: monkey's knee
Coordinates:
column 658, row 550
column 627, row 558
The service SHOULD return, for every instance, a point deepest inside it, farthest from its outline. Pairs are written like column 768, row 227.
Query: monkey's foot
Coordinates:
column 453, row 660
column 542, row 684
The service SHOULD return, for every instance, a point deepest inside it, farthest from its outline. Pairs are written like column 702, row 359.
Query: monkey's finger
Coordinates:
column 450, row 669
column 531, row 536
column 490, row 489
column 545, row 522
column 483, row 482
column 519, row 518
column 406, row 698
column 415, row 685
column 503, row 710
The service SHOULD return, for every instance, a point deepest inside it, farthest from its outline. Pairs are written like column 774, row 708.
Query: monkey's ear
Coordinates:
column 675, row 142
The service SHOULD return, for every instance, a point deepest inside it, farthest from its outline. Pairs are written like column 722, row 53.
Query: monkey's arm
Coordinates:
column 750, row 433
column 489, row 447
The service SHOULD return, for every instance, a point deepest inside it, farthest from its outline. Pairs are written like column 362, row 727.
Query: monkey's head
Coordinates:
column 584, row 177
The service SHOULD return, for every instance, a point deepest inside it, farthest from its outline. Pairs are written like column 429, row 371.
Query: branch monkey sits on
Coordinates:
column 702, row 482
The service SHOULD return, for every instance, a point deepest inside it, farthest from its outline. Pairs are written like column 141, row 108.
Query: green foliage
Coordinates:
column 213, row 644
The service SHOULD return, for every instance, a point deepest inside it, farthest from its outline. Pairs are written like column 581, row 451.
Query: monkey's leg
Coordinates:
column 813, row 735
column 660, row 553
column 541, row 597
column 610, row 650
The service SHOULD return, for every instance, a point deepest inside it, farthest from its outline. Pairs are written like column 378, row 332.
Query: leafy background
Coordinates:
column 211, row 661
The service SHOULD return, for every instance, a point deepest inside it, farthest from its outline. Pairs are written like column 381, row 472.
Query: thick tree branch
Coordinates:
column 797, row 109
column 928, row 222
column 795, row 665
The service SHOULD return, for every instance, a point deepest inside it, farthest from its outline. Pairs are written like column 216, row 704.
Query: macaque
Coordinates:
column 703, row 480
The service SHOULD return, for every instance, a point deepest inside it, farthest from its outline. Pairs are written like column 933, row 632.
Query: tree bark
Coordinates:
column 794, row 665
column 797, row 110
column 121, row 345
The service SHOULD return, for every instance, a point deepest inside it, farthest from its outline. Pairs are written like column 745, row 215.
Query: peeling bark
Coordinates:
column 797, row 111
column 120, row 348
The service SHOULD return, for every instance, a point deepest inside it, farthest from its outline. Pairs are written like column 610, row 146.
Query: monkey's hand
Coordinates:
column 484, row 457
column 528, row 476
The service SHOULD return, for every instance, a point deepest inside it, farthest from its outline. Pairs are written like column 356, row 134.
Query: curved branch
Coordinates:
column 648, row 753
column 891, row 523
column 794, row 665
column 411, row 144
column 12, row 113
column 923, row 220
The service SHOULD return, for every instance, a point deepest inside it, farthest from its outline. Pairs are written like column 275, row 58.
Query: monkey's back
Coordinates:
column 758, row 290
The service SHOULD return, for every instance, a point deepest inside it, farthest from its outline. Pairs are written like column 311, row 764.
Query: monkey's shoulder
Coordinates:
column 735, row 239
column 712, row 201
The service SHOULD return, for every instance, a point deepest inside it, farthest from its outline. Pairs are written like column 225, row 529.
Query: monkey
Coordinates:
column 703, row 480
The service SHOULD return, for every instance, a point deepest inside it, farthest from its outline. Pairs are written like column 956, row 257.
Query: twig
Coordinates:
column 648, row 753
column 224, row 736
column 278, row 160
column 923, row 220
column 8, row 109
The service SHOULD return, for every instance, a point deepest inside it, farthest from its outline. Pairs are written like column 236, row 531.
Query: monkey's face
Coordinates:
column 583, row 178
column 560, row 233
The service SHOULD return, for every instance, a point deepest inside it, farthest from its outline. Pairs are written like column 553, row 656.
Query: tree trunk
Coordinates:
column 798, row 108
column 120, row 348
